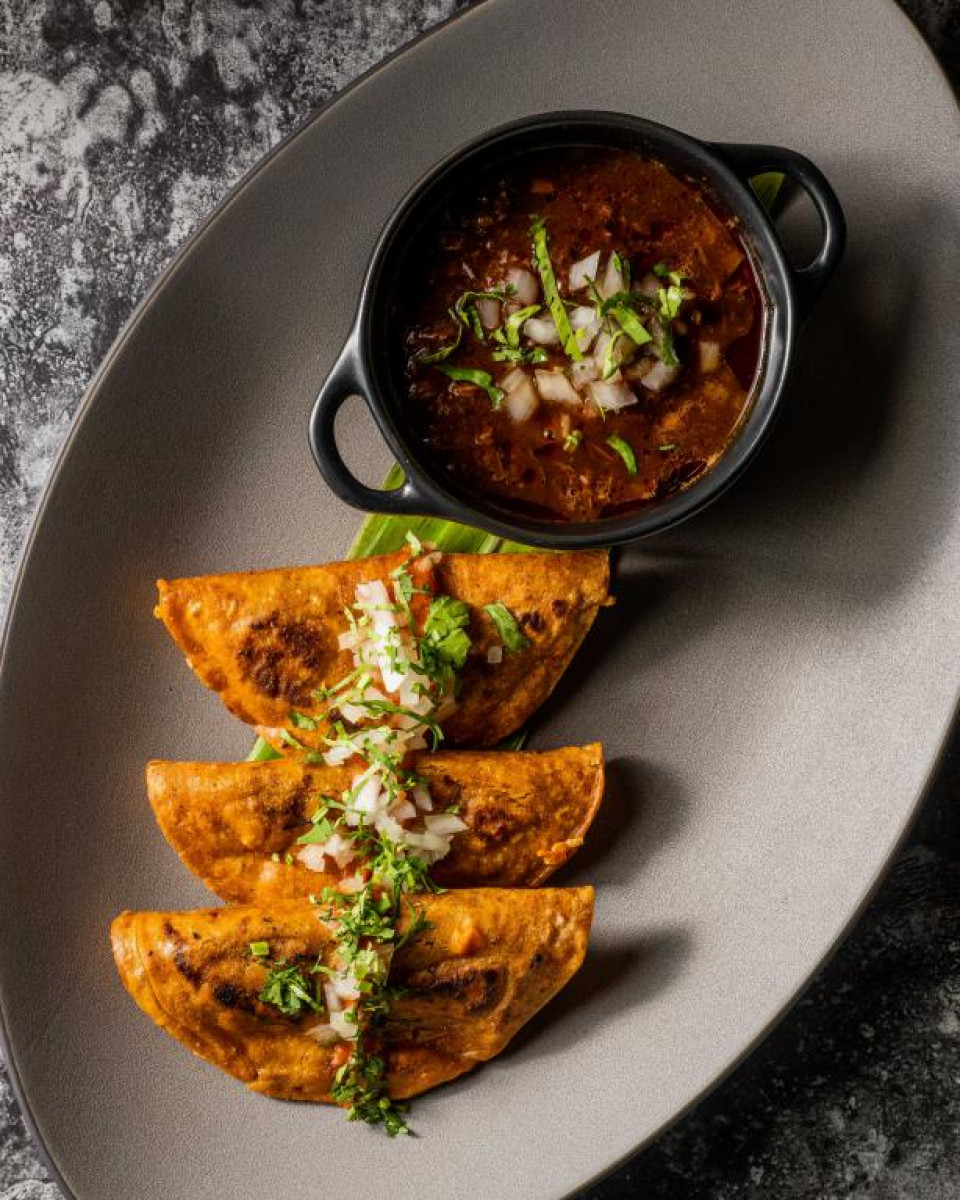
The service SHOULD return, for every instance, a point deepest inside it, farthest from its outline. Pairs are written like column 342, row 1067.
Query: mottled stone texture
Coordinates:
column 121, row 124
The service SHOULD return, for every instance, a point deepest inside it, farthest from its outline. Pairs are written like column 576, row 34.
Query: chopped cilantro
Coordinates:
column 667, row 353
column 610, row 363
column 321, row 829
column 629, row 322
column 665, row 272
column 536, row 354
column 286, row 989
column 301, row 720
column 445, row 642
column 444, row 352
column 669, row 300
column 360, row 1086
column 260, row 949
column 573, row 440
column 623, row 266
column 510, row 332
column 480, row 379
column 466, row 311
column 625, row 450
column 513, row 638
column 541, row 255
column 262, row 751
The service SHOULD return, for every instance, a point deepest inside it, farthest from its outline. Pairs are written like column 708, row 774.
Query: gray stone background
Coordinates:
column 121, row 125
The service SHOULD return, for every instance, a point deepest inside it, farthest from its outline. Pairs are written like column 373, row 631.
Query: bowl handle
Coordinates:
column 748, row 160
column 346, row 379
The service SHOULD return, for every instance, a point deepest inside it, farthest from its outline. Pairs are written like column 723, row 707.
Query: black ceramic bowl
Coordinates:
column 373, row 368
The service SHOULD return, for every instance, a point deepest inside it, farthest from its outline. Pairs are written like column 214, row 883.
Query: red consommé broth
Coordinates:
column 581, row 430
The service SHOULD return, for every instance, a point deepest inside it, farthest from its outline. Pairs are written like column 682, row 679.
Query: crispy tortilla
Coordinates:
column 490, row 960
column 264, row 641
column 233, row 824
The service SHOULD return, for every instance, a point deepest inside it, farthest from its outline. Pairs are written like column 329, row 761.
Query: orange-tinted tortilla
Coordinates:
column 265, row 641
column 234, row 824
column 489, row 961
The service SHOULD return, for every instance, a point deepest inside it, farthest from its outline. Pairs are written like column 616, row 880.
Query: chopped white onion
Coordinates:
column 554, row 385
column 649, row 285
column 323, row 1033
column 403, row 811
column 586, row 325
column 524, row 284
column 369, row 797
column 383, row 621
column 622, row 350
column 709, row 357
column 344, row 987
column 313, row 857
column 444, row 824
column 541, row 330
column 659, row 376
column 495, row 654
column 610, row 395
column 337, row 755
column 393, row 679
column 344, row 1027
column 582, row 316
column 584, row 372
column 513, row 378
column 339, row 848
column 387, row 825
column 351, row 884
column 372, row 595
column 521, row 402
column 582, row 272
column 421, row 794
column 612, row 281
column 488, row 310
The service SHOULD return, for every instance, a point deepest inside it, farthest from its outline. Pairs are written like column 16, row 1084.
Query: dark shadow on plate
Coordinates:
column 613, row 978
column 649, row 588
column 643, row 808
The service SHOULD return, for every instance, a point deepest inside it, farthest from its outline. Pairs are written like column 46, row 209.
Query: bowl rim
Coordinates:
column 382, row 393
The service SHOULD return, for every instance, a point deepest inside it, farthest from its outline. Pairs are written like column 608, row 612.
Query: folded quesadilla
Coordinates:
column 240, row 826
column 274, row 644
column 483, row 964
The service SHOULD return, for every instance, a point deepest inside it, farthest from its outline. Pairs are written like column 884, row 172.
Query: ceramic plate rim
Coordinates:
column 158, row 285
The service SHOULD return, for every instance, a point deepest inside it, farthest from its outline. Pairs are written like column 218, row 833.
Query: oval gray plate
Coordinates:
column 772, row 689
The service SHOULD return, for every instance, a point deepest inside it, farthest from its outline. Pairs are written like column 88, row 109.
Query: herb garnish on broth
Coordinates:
column 625, row 309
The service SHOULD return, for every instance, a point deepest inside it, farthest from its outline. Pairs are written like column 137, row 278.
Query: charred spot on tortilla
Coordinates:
column 275, row 652
column 474, row 986
column 269, row 642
